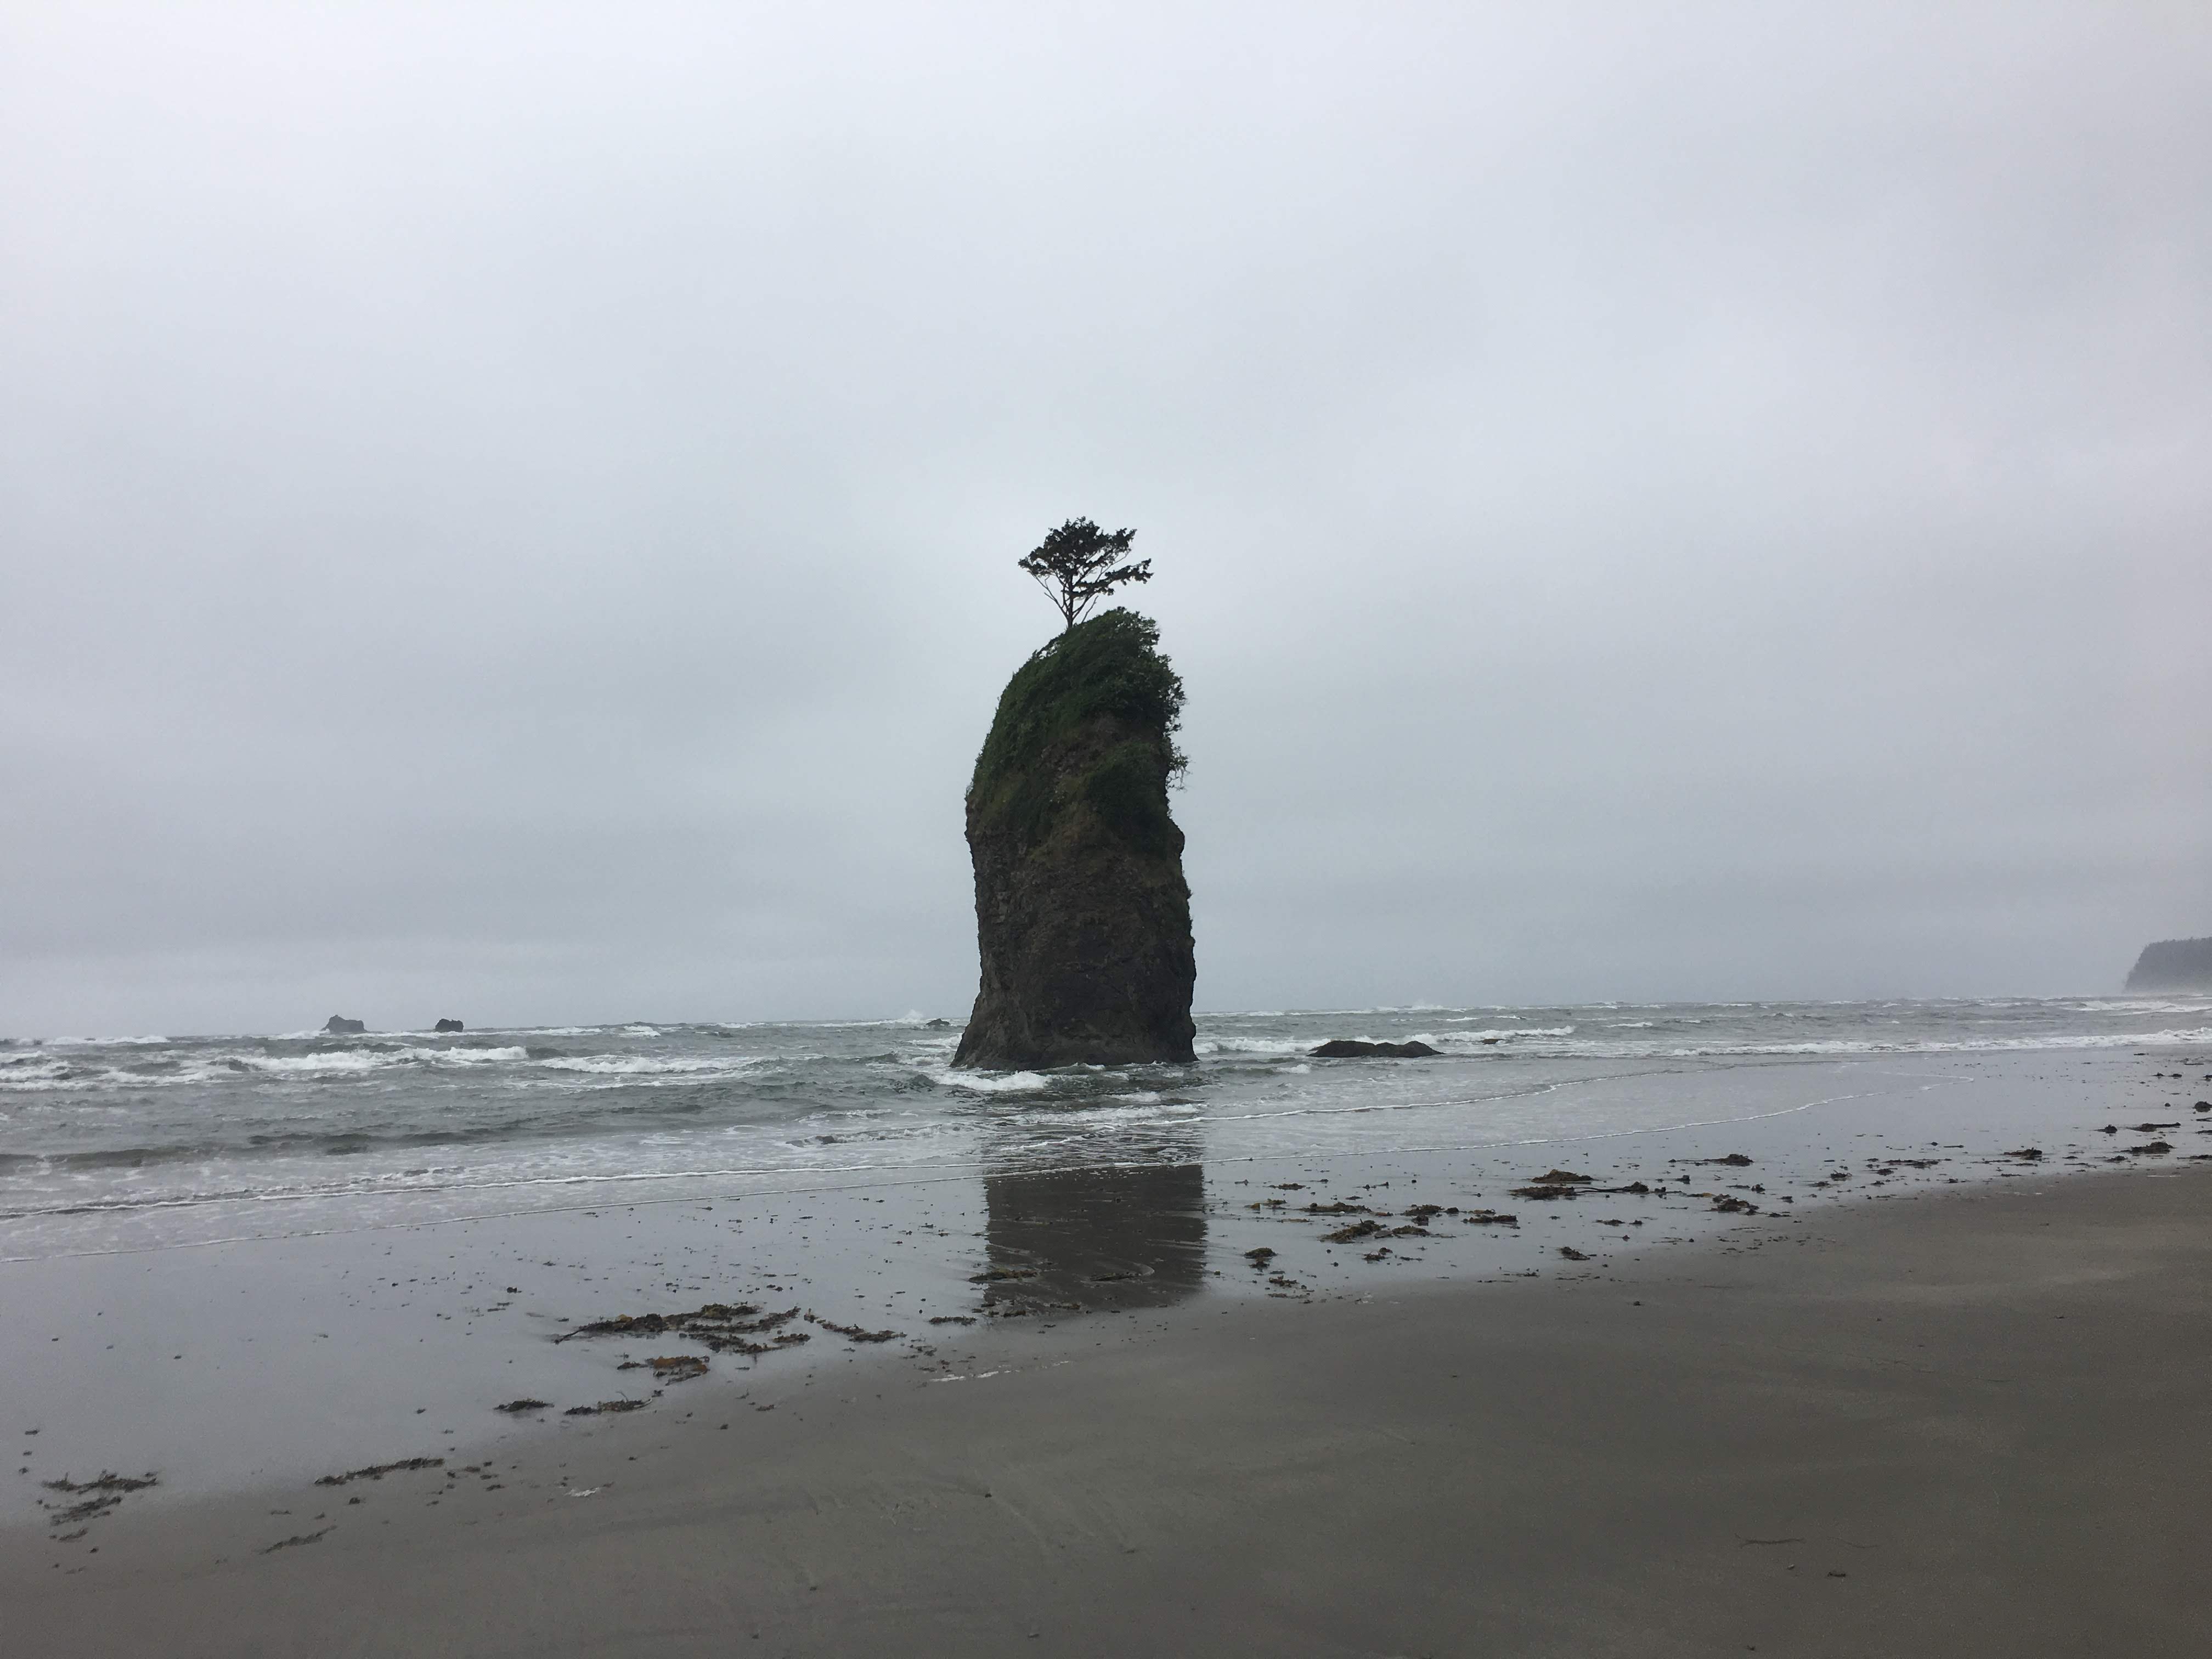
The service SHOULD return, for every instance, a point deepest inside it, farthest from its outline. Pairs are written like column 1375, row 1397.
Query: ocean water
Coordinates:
column 139, row 1143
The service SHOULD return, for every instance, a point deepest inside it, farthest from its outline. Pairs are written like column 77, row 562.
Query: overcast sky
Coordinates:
column 511, row 512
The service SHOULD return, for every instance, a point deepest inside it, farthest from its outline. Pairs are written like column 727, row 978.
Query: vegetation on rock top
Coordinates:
column 1109, row 665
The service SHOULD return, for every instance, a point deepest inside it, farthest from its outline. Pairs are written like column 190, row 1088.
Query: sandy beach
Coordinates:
column 1971, row 1421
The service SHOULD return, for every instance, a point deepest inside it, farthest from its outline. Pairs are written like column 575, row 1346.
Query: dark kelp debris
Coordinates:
column 671, row 1368
column 855, row 1332
column 91, row 1510
column 108, row 1481
column 298, row 1538
column 515, row 1408
column 1573, row 1254
column 605, row 1407
column 378, row 1471
column 98, row 1497
column 721, row 1325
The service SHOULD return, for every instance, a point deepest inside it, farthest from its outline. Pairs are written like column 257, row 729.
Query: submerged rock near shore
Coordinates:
column 1082, row 913
column 2173, row 964
column 1352, row 1048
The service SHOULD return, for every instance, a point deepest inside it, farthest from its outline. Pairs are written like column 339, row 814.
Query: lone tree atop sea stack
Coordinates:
column 1079, row 564
column 1082, row 914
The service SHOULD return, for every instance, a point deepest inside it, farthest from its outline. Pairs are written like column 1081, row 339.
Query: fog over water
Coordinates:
column 511, row 512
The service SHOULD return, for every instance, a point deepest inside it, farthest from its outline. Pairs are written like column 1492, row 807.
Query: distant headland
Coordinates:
column 2173, row 964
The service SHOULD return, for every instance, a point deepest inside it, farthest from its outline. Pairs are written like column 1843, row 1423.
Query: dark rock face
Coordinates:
column 2173, row 964
column 1082, row 914
column 339, row 1025
column 1347, row 1048
column 449, row 1026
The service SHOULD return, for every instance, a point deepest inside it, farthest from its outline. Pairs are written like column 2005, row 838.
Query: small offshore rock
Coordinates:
column 449, row 1026
column 339, row 1025
column 1349, row 1049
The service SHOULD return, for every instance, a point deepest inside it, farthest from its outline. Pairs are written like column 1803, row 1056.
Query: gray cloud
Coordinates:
column 513, row 513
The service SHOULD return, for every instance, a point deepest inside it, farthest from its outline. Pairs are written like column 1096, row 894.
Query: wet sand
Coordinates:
column 1973, row 1420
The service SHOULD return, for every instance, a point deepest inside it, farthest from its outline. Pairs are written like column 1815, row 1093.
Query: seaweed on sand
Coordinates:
column 855, row 1332
column 378, row 1471
column 724, row 1327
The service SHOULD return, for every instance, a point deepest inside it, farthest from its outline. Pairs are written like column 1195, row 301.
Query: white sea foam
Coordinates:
column 1846, row 1046
column 994, row 1083
column 1244, row 1045
column 1492, row 1036
column 648, row 1065
column 34, row 1072
column 2145, row 1006
column 1102, row 1117
column 337, row 1062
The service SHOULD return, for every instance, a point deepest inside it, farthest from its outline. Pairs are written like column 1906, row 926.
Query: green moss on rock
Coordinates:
column 1110, row 665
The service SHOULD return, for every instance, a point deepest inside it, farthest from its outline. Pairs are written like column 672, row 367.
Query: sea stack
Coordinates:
column 1082, row 914
column 2173, row 964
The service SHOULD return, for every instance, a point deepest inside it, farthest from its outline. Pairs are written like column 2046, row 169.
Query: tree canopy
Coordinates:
column 1079, row 564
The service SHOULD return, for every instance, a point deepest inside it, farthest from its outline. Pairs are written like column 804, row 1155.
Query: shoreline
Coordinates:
column 1973, row 1420
column 267, row 1362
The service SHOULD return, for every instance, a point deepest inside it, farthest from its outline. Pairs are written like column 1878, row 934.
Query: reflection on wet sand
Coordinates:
column 1095, row 1239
